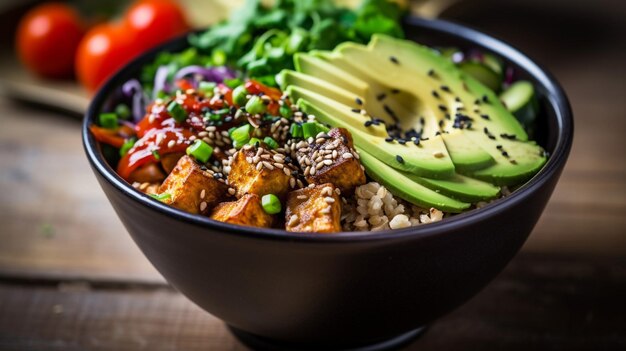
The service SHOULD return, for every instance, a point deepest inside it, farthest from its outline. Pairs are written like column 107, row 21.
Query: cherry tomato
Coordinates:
column 103, row 50
column 47, row 38
column 151, row 22
column 113, row 137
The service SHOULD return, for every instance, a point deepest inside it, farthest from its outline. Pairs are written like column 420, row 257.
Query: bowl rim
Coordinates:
column 554, row 94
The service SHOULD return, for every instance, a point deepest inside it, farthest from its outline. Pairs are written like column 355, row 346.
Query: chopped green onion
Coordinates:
column 240, row 95
column 241, row 135
column 215, row 117
column 156, row 155
column 218, row 57
column 123, row 111
column 108, row 120
column 255, row 105
column 207, row 88
column 322, row 128
column 232, row 83
column 295, row 130
column 128, row 144
column 271, row 204
column 285, row 111
column 270, row 142
column 309, row 129
column 200, row 150
column 161, row 197
column 177, row 111
column 253, row 141
column 230, row 131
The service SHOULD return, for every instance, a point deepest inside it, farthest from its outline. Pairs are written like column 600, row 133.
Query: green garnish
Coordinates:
column 296, row 131
column 240, row 95
column 240, row 136
column 254, row 141
column 270, row 142
column 123, row 111
column 200, row 150
column 255, row 105
column 128, row 144
column 271, row 204
column 261, row 40
column 232, row 83
column 156, row 155
column 207, row 88
column 108, row 120
column 177, row 111
column 310, row 129
column 285, row 111
column 161, row 197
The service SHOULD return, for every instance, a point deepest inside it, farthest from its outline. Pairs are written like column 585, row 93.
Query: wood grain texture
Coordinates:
column 538, row 302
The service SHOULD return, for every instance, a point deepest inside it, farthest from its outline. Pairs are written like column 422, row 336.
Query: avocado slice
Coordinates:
column 460, row 187
column 406, row 188
column 429, row 159
column 465, row 155
column 492, row 124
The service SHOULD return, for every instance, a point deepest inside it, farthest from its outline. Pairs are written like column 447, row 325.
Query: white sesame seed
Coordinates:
column 268, row 165
column 231, row 191
column 203, row 206
column 286, row 170
column 171, row 143
column 328, row 162
column 347, row 155
column 202, row 193
column 326, row 210
column 259, row 166
column 302, row 197
column 292, row 220
column 438, row 154
column 279, row 165
column 329, row 199
column 292, row 182
column 256, row 159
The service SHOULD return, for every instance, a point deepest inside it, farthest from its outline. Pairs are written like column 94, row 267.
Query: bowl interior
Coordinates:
column 554, row 130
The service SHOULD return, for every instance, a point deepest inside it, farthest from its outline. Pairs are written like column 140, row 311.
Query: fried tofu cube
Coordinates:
column 245, row 211
column 335, row 161
column 314, row 209
column 193, row 189
column 259, row 171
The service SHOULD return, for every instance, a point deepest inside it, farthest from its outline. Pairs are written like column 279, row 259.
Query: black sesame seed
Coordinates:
column 443, row 108
column 457, row 99
column 445, row 88
column 499, row 147
column 368, row 123
column 491, row 137
column 288, row 159
column 436, row 94
column 401, row 141
column 505, row 154
column 485, row 99
column 438, row 133
column 381, row 96
column 424, row 139
column 416, row 142
column 441, row 123
column 486, row 130
column 395, row 91
column 399, row 159
column 389, row 139
column 358, row 101
column 485, row 117
column 394, row 60
column 447, row 116
column 431, row 72
column 356, row 110
column 477, row 102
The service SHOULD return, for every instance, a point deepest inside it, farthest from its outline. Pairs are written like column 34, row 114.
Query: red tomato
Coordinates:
column 47, row 38
column 152, row 22
column 104, row 50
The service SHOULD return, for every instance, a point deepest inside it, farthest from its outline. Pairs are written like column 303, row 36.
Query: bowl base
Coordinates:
column 260, row 343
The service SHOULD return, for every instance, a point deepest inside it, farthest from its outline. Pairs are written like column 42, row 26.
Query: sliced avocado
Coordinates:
column 421, row 160
column 460, row 187
column 521, row 100
column 320, row 86
column 465, row 155
column 459, row 94
column 406, row 188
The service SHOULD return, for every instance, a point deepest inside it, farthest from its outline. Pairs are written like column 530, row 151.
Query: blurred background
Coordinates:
column 72, row 279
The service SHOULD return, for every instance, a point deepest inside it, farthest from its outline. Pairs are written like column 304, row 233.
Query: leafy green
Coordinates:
column 261, row 41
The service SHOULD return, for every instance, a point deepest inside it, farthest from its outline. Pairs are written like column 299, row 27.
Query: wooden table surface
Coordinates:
column 72, row 279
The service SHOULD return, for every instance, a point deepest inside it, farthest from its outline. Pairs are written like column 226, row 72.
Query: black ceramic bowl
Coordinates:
column 370, row 290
